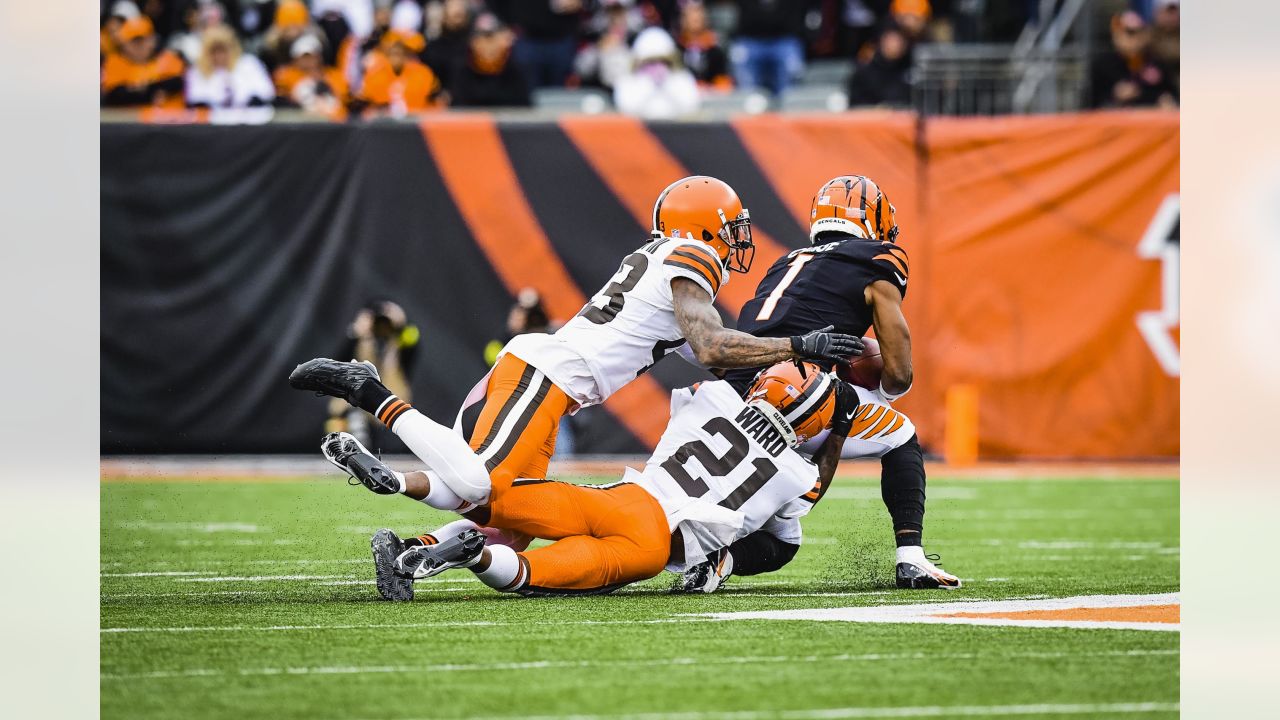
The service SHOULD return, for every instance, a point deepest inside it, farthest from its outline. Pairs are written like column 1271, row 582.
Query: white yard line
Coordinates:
column 394, row 626
column 265, row 578
column 1094, row 709
column 174, row 573
column 941, row 613
column 649, row 662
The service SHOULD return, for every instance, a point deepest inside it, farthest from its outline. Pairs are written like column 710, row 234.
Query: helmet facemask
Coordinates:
column 736, row 233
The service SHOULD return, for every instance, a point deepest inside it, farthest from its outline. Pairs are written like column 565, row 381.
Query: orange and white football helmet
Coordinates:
column 797, row 397
column 853, row 205
column 704, row 208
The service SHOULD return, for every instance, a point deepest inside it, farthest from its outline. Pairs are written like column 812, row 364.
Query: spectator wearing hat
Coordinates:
column 224, row 77
column 700, row 48
column 1128, row 75
column 138, row 76
column 450, row 48
column 395, row 81
column 109, row 36
column 307, row 84
column 488, row 78
column 659, row 87
column 292, row 21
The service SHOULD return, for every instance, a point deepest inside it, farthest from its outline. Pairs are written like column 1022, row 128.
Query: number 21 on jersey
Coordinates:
column 793, row 270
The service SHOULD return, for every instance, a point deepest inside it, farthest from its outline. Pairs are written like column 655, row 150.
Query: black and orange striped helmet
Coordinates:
column 853, row 205
column 803, row 396
column 704, row 208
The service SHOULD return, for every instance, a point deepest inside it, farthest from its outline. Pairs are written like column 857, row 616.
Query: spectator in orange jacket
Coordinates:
column 306, row 83
column 395, row 81
column 138, row 76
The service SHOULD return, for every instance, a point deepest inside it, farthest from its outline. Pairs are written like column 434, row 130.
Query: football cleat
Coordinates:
column 386, row 547
column 425, row 561
column 333, row 378
column 347, row 454
column 706, row 577
column 924, row 575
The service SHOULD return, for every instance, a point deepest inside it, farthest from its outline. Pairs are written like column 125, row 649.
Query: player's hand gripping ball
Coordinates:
column 864, row 370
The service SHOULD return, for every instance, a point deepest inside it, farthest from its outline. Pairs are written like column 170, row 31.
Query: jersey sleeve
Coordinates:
column 786, row 529
column 696, row 262
column 890, row 263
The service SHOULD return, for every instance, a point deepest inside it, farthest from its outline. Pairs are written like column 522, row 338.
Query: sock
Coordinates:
column 441, row 497
column 389, row 409
column 911, row 554
column 760, row 552
column 507, row 571
column 370, row 396
column 399, row 476
column 447, row 531
column 455, row 464
column 902, row 489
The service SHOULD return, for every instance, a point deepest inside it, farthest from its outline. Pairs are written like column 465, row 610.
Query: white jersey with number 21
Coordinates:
column 721, row 472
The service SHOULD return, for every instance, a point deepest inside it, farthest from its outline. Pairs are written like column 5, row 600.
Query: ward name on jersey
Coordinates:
column 625, row 328
column 721, row 472
column 820, row 285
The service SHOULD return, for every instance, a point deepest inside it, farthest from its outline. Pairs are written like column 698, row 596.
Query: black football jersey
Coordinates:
column 817, row 286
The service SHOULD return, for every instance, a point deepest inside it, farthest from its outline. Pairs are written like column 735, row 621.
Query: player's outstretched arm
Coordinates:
column 715, row 345
column 893, row 334
column 828, row 456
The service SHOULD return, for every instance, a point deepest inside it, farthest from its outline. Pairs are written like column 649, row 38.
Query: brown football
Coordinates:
column 864, row 370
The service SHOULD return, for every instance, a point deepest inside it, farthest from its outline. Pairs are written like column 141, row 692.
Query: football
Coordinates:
column 864, row 370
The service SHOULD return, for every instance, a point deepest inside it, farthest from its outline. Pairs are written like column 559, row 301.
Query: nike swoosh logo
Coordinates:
column 901, row 280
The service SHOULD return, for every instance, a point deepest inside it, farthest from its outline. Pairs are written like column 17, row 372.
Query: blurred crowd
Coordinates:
column 657, row 58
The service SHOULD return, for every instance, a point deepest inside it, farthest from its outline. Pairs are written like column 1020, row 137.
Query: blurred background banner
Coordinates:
column 231, row 254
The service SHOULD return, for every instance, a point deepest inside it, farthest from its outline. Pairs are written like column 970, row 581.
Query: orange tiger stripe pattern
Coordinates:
column 703, row 264
column 895, row 256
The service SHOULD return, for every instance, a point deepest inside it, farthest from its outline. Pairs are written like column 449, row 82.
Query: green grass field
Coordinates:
column 255, row 599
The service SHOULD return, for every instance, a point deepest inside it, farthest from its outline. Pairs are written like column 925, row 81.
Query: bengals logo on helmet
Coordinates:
column 853, row 205
column 803, row 396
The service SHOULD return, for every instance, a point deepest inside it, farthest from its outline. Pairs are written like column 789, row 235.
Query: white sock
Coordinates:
column 505, row 570
column 912, row 554
column 448, row 454
column 452, row 529
column 441, row 497
column 400, row 479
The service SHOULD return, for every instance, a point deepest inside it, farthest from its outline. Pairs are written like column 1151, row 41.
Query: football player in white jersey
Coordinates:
column 659, row 300
column 724, row 469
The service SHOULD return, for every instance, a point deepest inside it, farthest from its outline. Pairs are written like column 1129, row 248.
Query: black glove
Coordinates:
column 846, row 408
column 824, row 346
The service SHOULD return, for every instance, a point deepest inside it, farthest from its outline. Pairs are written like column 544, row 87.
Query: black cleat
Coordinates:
column 386, row 546
column 346, row 452
column 424, row 561
column 924, row 575
column 705, row 577
column 333, row 378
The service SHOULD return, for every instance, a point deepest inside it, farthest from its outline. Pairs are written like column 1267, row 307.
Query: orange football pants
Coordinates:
column 605, row 537
column 513, row 428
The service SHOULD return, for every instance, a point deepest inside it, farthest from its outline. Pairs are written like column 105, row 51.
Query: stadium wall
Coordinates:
column 231, row 254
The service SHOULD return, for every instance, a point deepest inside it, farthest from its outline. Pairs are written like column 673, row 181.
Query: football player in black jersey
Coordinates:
column 853, row 276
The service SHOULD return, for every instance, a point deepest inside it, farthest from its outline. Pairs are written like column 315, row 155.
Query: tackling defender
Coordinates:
column 659, row 300
column 853, row 277
column 724, row 469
